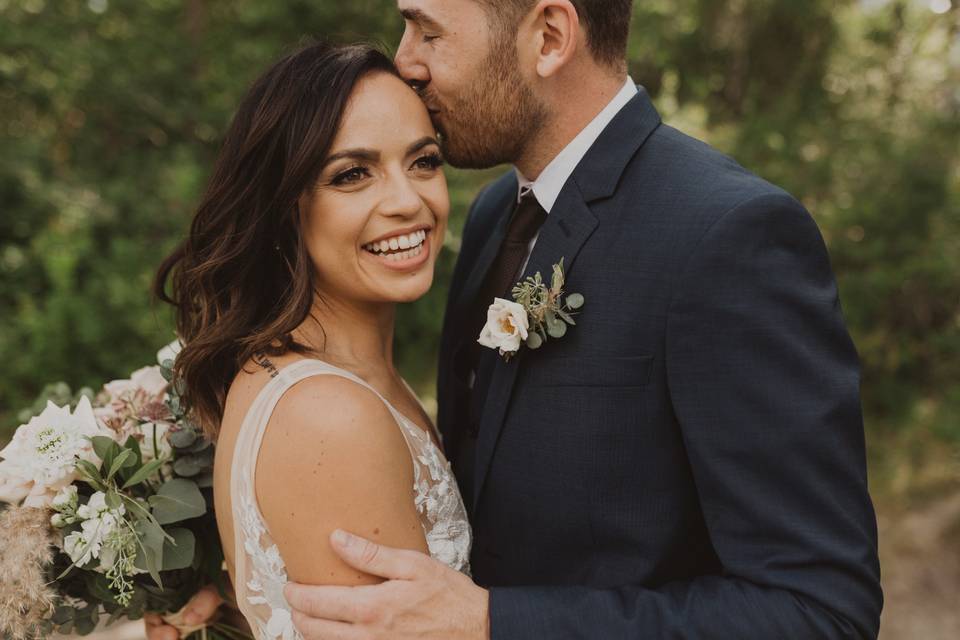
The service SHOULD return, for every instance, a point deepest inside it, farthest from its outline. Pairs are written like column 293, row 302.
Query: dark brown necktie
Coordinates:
column 527, row 219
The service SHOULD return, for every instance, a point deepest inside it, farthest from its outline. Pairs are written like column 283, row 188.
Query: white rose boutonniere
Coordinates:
column 537, row 313
column 507, row 327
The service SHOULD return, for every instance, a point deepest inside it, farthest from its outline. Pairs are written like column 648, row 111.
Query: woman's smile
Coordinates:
column 401, row 251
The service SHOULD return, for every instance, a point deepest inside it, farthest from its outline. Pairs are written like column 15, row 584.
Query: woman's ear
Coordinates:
column 556, row 35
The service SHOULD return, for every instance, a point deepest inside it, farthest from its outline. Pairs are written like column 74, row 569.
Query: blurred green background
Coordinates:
column 111, row 112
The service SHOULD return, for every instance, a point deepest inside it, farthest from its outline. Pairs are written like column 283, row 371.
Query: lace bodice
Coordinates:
column 260, row 572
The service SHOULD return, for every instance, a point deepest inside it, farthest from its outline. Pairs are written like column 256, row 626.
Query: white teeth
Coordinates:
column 413, row 241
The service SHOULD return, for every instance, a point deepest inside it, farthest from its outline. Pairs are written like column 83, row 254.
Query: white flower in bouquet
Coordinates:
column 170, row 351
column 99, row 522
column 65, row 498
column 155, row 442
column 41, row 458
column 506, row 328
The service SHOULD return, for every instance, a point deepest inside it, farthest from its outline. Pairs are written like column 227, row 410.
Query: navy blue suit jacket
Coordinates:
column 688, row 461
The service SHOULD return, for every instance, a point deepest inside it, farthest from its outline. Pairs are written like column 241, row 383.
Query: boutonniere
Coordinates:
column 537, row 312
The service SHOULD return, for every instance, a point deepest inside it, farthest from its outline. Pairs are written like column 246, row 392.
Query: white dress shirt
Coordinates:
column 546, row 188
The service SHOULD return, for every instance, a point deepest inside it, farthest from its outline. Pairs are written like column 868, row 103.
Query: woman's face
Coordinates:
column 374, row 222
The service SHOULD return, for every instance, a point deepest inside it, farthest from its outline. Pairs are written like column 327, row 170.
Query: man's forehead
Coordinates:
column 427, row 11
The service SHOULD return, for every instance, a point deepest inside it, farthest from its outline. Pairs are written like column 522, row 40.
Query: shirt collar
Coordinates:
column 547, row 187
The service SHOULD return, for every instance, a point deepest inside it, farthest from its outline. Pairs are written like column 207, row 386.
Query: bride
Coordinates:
column 326, row 208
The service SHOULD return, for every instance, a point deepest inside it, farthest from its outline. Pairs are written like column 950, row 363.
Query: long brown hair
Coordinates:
column 242, row 280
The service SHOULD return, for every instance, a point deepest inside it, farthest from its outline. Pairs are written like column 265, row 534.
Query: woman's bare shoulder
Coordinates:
column 334, row 457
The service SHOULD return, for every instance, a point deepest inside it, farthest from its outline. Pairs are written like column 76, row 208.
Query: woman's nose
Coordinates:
column 401, row 199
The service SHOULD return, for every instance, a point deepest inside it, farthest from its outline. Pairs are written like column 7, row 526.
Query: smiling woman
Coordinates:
column 309, row 175
column 328, row 206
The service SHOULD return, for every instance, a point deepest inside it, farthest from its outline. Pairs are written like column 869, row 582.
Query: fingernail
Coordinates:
column 342, row 538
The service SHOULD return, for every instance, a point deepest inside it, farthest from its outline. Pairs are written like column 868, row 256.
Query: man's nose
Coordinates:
column 411, row 68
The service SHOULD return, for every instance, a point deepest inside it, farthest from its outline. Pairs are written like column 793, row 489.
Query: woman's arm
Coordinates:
column 333, row 456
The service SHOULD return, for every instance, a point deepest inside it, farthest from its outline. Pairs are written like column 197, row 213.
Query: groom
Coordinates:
column 688, row 460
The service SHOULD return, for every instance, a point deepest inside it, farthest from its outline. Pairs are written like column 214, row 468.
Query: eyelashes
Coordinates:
column 357, row 173
column 430, row 161
column 350, row 176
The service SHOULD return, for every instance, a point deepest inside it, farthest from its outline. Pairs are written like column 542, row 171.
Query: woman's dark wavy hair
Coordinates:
column 242, row 280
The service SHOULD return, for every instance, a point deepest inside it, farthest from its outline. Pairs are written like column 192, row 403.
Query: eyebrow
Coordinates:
column 421, row 18
column 370, row 155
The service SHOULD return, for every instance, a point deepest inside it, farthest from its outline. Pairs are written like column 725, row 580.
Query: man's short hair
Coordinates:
column 607, row 23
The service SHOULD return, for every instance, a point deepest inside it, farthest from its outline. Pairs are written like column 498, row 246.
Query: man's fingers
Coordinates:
column 202, row 606
column 316, row 629
column 375, row 559
column 161, row 632
column 152, row 619
column 344, row 604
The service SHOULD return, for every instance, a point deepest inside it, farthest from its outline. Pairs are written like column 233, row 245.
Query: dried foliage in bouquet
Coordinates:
column 26, row 598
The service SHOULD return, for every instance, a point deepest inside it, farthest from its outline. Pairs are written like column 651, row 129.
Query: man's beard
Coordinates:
column 492, row 122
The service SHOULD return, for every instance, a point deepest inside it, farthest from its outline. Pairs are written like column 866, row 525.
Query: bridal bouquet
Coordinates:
column 109, row 509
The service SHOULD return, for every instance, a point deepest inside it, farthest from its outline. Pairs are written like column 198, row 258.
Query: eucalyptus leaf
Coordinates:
column 83, row 626
column 534, row 341
column 179, row 553
column 125, row 459
column 150, row 542
column 62, row 614
column 132, row 444
column 557, row 329
column 187, row 466
column 97, row 586
column 166, row 370
column 113, row 500
column 575, row 301
column 114, row 616
column 91, row 474
column 202, row 444
column 104, row 447
column 177, row 500
column 143, row 473
column 182, row 438
column 566, row 317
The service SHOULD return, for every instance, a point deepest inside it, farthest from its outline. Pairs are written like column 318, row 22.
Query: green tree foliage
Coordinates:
column 112, row 111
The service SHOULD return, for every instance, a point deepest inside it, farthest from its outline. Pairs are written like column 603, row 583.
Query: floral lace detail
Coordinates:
column 267, row 576
column 260, row 568
column 438, row 500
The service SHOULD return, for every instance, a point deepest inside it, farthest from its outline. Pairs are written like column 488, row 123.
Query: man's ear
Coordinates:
column 557, row 35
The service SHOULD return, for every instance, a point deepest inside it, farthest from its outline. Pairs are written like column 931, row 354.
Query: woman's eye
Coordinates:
column 350, row 176
column 429, row 162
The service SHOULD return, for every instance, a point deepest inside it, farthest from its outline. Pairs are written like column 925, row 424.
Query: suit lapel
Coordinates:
column 570, row 224
column 562, row 236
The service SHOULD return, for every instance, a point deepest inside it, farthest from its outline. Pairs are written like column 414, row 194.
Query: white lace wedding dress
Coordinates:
column 260, row 573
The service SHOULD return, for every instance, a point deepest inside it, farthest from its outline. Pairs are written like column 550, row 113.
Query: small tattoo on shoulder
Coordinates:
column 265, row 362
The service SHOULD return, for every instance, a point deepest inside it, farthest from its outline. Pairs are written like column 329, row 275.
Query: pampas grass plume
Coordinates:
column 25, row 597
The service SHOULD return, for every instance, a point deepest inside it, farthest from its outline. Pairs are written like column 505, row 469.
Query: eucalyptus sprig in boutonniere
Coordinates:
column 538, row 312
